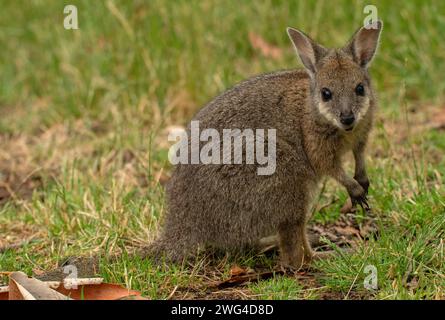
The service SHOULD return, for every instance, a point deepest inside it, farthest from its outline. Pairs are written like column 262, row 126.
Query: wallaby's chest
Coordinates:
column 325, row 152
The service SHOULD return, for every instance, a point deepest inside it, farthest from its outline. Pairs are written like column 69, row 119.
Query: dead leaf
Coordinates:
column 367, row 229
column 438, row 119
column 103, row 291
column 266, row 49
column 21, row 287
column 38, row 272
column 237, row 271
column 347, row 231
column 133, row 298
column 348, row 207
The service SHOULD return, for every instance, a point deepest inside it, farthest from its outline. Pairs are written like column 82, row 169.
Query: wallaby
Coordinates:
column 319, row 114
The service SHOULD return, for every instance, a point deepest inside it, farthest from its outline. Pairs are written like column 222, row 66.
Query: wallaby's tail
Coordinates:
column 166, row 250
column 155, row 250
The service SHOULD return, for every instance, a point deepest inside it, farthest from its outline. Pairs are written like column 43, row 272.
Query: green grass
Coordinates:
column 85, row 112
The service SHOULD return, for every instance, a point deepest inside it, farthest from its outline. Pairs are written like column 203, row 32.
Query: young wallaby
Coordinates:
column 319, row 114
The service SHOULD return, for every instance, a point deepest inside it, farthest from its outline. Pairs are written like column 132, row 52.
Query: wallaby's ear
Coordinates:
column 309, row 51
column 363, row 44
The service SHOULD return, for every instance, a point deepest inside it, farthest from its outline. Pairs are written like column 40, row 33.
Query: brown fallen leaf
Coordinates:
column 237, row 271
column 133, row 298
column 4, row 293
column 347, row 231
column 438, row 119
column 21, row 287
column 102, row 291
column 266, row 49
column 367, row 230
column 348, row 207
column 324, row 231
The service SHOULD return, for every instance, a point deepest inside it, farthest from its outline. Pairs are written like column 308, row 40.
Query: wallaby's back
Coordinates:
column 229, row 206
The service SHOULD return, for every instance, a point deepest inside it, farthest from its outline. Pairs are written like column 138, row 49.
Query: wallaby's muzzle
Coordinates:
column 347, row 121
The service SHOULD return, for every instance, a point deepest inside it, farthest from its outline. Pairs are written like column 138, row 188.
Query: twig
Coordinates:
column 172, row 293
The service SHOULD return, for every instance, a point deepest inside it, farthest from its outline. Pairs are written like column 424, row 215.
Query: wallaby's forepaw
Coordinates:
column 362, row 201
column 364, row 182
column 297, row 262
column 359, row 197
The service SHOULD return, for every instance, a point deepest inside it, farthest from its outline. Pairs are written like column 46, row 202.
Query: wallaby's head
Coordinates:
column 340, row 83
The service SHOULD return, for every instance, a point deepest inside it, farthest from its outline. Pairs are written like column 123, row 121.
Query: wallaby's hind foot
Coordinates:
column 295, row 250
column 273, row 242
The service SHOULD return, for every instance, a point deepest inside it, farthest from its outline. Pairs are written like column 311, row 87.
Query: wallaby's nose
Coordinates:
column 347, row 119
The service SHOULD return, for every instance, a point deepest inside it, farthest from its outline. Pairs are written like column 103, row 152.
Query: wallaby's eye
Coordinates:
column 326, row 94
column 360, row 90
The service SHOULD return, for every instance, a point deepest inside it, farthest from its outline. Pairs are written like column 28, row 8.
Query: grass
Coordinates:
column 83, row 133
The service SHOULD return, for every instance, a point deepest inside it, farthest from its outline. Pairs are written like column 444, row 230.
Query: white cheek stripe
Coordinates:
column 363, row 110
column 324, row 110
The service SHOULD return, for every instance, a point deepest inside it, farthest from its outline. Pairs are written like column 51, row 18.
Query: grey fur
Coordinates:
column 230, row 206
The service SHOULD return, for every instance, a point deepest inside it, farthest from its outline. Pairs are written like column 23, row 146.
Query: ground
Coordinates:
column 84, row 116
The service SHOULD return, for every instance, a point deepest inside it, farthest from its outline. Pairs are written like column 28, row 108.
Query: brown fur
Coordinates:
column 230, row 206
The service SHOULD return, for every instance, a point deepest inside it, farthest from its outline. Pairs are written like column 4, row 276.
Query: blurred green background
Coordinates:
column 125, row 50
